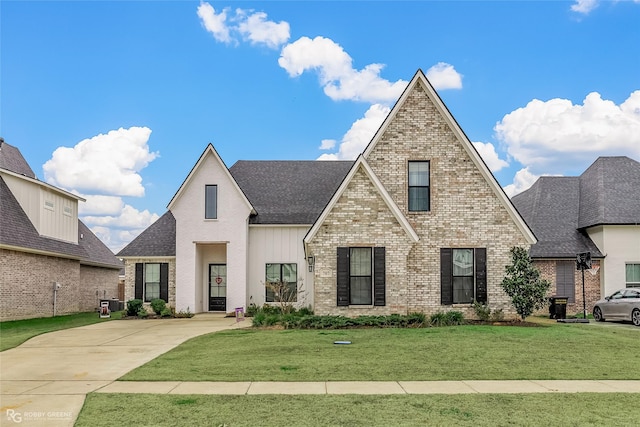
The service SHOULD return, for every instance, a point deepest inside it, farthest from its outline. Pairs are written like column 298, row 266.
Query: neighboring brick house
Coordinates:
column 416, row 223
column 43, row 244
column 597, row 212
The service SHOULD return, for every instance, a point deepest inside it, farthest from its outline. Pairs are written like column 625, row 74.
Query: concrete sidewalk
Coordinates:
column 374, row 387
column 49, row 376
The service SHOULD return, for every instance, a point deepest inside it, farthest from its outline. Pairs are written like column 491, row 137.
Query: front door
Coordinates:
column 217, row 287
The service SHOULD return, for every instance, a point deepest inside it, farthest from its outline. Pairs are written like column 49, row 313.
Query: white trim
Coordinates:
column 421, row 79
column 42, row 184
column 210, row 150
column 361, row 162
column 148, row 257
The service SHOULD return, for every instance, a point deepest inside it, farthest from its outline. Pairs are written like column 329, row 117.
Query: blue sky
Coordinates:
column 116, row 100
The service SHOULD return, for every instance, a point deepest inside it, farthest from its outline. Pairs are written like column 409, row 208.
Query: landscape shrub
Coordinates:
column 300, row 320
column 497, row 315
column 133, row 306
column 183, row 314
column 158, row 305
column 450, row 318
column 252, row 309
column 142, row 313
column 483, row 312
column 167, row 312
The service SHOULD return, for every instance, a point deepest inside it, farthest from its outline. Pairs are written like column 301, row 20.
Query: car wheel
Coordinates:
column 635, row 317
column 597, row 314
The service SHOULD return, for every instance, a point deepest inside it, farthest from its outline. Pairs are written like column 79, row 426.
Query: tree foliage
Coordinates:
column 528, row 292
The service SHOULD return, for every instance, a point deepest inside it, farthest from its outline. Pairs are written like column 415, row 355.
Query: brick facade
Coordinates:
column 130, row 278
column 591, row 285
column 465, row 213
column 27, row 286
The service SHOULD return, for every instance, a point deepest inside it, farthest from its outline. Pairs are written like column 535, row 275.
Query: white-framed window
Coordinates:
column 48, row 204
column 67, row 210
column 211, row 202
column 360, row 276
column 632, row 275
column 281, row 282
column 419, row 187
column 151, row 282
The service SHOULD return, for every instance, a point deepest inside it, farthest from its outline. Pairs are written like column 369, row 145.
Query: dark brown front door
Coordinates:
column 217, row 287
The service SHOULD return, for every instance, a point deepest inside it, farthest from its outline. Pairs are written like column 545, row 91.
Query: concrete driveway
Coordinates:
column 44, row 381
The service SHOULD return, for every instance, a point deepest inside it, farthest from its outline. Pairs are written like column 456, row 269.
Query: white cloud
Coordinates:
column 584, row 6
column 336, row 73
column 327, row 144
column 105, row 164
column 215, row 23
column 258, row 30
column 444, row 76
column 556, row 135
column 356, row 139
column 522, row 180
column 128, row 218
column 488, row 153
column 100, row 205
column 253, row 27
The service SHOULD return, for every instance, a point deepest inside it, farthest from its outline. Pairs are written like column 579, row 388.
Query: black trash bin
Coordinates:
column 558, row 307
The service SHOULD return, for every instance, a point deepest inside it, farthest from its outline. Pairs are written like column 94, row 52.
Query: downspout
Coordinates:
column 56, row 286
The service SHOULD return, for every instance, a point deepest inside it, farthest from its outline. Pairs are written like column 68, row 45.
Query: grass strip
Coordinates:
column 470, row 352
column 15, row 332
column 583, row 409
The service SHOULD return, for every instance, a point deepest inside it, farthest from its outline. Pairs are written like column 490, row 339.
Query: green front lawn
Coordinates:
column 472, row 352
column 583, row 409
column 15, row 332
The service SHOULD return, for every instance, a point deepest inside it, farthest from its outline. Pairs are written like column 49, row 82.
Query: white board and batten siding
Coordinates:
column 277, row 245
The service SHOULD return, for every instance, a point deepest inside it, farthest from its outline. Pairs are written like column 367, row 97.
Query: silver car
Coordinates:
column 621, row 305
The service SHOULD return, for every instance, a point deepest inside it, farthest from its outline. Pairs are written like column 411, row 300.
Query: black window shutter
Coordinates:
column 343, row 277
column 446, row 276
column 164, row 282
column 379, row 276
column 481, row 275
column 139, row 280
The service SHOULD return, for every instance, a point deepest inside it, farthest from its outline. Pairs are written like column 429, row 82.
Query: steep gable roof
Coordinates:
column 551, row 208
column 361, row 163
column 12, row 160
column 209, row 150
column 158, row 240
column 289, row 192
column 420, row 79
column 610, row 192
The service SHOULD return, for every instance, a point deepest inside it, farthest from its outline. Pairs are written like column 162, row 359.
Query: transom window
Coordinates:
column 419, row 187
column 282, row 282
column 211, row 202
column 633, row 275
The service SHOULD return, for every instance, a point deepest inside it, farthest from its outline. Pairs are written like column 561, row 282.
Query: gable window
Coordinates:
column 632, row 275
column 361, row 276
column 419, row 187
column 282, row 282
column 565, row 280
column 211, row 202
column 48, row 204
column 463, row 275
column 152, row 281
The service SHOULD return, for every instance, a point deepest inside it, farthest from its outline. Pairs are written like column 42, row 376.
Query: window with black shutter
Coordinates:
column 463, row 275
column 152, row 281
column 361, row 276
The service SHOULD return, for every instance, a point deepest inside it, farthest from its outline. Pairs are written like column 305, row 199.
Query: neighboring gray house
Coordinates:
column 43, row 244
column 416, row 223
column 597, row 212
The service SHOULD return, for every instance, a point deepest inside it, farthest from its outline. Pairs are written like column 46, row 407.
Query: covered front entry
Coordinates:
column 217, row 287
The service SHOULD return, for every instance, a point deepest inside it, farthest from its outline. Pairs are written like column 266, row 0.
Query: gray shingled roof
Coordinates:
column 289, row 192
column 159, row 239
column 11, row 159
column 610, row 192
column 559, row 209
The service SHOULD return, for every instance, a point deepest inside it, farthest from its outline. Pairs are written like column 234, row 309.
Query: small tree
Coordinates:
column 285, row 293
column 522, row 283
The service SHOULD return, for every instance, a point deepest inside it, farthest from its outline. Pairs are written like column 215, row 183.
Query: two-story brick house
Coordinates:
column 50, row 262
column 416, row 223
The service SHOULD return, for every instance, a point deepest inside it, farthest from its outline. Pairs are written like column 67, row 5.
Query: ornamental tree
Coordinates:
column 522, row 282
